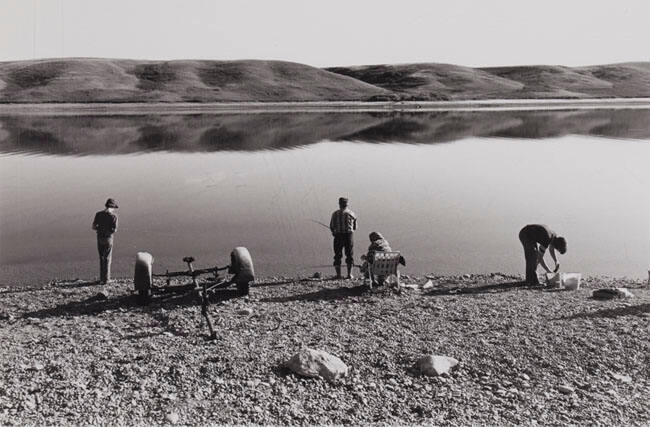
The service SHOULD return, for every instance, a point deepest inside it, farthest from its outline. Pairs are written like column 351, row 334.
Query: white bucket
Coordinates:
column 568, row 281
column 553, row 279
column 571, row 281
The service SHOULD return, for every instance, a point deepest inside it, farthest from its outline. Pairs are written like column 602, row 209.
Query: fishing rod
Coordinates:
column 320, row 223
column 309, row 267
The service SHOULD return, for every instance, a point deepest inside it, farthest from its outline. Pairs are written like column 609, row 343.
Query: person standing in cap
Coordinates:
column 105, row 224
column 342, row 225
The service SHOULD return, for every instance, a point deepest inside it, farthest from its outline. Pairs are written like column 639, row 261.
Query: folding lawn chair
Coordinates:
column 384, row 265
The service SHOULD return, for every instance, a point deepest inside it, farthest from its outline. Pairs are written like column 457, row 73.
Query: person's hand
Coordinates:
column 557, row 268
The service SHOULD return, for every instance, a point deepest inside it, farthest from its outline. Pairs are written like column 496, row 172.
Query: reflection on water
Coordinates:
column 70, row 135
column 450, row 208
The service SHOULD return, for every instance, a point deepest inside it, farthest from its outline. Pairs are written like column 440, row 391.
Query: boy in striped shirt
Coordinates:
column 342, row 225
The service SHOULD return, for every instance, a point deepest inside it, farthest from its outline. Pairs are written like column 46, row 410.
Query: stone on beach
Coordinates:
column 428, row 284
column 102, row 295
column 624, row 293
column 172, row 418
column 317, row 363
column 622, row 378
column 433, row 365
column 611, row 293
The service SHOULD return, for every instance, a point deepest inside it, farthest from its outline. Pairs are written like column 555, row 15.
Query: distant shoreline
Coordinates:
column 47, row 109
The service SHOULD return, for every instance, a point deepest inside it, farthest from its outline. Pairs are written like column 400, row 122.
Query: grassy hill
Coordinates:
column 445, row 81
column 109, row 80
column 85, row 80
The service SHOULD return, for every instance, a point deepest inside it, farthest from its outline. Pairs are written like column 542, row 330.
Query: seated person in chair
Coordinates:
column 377, row 244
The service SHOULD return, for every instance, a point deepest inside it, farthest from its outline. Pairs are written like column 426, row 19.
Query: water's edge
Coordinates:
column 319, row 107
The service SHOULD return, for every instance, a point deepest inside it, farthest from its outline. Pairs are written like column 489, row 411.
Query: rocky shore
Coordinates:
column 75, row 353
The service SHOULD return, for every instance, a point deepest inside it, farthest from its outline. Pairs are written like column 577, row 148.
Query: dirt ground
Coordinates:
column 73, row 355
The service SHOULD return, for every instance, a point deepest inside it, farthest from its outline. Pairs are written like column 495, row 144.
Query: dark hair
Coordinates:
column 560, row 244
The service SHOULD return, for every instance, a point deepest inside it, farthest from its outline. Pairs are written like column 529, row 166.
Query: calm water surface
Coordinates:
column 450, row 190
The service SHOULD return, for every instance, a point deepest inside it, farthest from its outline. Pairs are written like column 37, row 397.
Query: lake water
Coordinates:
column 449, row 190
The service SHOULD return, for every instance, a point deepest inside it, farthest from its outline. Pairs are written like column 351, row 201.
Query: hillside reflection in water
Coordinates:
column 86, row 135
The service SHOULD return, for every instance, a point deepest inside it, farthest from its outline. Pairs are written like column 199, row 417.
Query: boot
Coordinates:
column 338, row 271
column 350, row 276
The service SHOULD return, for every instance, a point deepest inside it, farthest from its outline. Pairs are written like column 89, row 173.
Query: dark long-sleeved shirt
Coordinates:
column 105, row 223
column 539, row 233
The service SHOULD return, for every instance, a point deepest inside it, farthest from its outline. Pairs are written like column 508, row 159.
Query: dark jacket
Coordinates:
column 105, row 223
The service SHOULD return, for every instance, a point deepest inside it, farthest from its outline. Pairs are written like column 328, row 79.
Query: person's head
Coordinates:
column 343, row 202
column 375, row 236
column 560, row 244
column 111, row 204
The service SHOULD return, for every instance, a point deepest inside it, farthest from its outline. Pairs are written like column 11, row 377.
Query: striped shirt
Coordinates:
column 343, row 221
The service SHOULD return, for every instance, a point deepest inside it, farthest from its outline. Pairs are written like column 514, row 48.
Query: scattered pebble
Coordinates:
column 172, row 417
column 622, row 378
column 565, row 389
column 102, row 295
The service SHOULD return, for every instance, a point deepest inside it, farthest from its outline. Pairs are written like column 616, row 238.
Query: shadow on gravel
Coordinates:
column 635, row 310
column 281, row 370
column 77, row 284
column 142, row 335
column 484, row 289
column 89, row 306
column 329, row 294
column 289, row 281
column 97, row 304
column 277, row 283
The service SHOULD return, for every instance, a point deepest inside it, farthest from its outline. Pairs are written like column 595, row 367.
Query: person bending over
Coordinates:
column 536, row 238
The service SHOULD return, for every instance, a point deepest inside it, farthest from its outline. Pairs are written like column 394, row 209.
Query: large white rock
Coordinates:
column 432, row 365
column 317, row 363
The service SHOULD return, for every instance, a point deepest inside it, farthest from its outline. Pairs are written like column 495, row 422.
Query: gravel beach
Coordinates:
column 76, row 353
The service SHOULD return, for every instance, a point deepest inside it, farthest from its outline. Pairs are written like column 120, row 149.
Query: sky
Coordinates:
column 332, row 32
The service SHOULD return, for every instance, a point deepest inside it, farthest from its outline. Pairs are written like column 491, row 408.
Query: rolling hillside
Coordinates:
column 108, row 80
column 445, row 81
column 84, row 80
